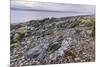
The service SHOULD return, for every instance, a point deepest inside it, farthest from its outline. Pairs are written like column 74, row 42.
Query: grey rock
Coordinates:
column 37, row 52
column 83, row 33
column 70, row 32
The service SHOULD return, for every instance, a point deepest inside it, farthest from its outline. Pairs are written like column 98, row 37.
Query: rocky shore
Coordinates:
column 53, row 41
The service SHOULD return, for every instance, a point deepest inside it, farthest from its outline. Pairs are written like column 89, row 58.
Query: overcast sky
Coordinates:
column 52, row 6
column 22, row 11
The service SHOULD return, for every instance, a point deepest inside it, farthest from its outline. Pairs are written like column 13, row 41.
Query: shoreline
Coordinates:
column 52, row 17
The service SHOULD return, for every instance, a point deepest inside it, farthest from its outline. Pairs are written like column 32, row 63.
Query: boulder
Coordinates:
column 37, row 52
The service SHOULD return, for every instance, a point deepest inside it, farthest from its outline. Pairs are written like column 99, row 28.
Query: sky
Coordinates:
column 22, row 11
column 52, row 6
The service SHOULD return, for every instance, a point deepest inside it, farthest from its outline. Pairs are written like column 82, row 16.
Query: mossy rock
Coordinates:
column 13, row 41
column 21, row 35
column 92, row 20
column 89, row 23
column 22, row 29
column 93, row 33
column 60, row 38
column 49, row 32
column 89, row 20
column 53, row 47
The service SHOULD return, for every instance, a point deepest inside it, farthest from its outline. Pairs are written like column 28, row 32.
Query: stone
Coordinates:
column 37, row 52
column 83, row 33
column 70, row 32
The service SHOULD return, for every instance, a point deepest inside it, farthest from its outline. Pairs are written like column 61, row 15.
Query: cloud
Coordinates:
column 53, row 6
